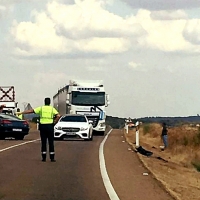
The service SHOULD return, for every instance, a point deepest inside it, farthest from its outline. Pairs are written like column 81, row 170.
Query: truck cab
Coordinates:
column 87, row 98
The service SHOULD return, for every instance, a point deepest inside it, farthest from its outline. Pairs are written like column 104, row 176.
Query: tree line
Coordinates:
column 117, row 122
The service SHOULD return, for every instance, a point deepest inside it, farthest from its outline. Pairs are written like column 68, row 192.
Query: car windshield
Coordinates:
column 74, row 118
column 10, row 117
column 88, row 98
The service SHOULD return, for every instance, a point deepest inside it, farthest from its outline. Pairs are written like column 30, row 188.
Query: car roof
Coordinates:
column 4, row 115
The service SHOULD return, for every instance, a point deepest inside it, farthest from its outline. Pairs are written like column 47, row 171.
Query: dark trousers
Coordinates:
column 165, row 140
column 47, row 133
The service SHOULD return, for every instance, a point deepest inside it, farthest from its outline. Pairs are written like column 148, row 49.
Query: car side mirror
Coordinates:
column 90, row 121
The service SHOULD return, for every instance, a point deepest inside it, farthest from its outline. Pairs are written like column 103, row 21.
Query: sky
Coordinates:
column 147, row 52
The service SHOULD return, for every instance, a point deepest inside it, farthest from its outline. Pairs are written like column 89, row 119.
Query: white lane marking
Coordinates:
column 18, row 145
column 109, row 188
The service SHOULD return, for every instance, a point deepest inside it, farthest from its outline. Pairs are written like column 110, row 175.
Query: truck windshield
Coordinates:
column 88, row 98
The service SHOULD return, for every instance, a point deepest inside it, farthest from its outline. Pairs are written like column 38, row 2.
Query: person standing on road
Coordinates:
column 1, row 107
column 47, row 114
column 164, row 135
column 20, row 116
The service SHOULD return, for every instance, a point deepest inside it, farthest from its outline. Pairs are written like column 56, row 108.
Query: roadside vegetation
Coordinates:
column 177, row 167
column 184, row 142
column 183, row 137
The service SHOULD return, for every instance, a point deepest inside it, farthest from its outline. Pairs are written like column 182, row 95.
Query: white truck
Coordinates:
column 84, row 97
column 7, row 98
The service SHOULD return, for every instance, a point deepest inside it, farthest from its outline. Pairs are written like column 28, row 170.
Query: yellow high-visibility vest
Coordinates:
column 20, row 116
column 46, row 114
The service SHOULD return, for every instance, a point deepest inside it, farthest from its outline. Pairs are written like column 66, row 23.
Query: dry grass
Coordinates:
column 179, row 174
column 33, row 126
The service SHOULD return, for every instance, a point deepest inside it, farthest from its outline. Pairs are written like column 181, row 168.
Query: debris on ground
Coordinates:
column 143, row 151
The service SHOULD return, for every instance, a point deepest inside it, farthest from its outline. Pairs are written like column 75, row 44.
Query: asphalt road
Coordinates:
column 101, row 169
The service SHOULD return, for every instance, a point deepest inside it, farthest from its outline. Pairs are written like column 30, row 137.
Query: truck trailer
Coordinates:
column 84, row 97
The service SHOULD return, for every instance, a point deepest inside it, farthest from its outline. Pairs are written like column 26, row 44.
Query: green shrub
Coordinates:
column 146, row 128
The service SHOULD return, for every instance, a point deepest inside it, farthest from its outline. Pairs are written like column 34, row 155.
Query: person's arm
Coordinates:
column 25, row 112
column 57, row 117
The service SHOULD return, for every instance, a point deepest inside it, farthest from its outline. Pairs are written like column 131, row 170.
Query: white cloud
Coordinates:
column 2, row 8
column 38, row 38
column 137, row 67
column 134, row 65
column 165, row 35
column 86, row 27
column 88, row 18
column 82, row 27
column 192, row 31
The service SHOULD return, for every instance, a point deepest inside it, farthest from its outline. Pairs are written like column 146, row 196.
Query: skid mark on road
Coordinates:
column 109, row 188
column 7, row 148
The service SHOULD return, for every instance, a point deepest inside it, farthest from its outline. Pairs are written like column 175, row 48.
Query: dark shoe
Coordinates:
column 52, row 157
column 44, row 157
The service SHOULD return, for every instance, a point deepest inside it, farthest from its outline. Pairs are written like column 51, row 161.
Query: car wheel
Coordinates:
column 102, row 133
column 2, row 137
column 91, row 137
column 21, row 137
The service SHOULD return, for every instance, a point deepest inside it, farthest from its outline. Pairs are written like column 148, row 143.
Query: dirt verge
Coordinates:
column 182, row 182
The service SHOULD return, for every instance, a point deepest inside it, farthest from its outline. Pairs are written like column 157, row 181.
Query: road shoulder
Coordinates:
column 126, row 172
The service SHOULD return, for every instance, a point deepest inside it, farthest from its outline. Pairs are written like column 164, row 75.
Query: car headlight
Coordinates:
column 84, row 129
column 58, row 128
column 102, row 124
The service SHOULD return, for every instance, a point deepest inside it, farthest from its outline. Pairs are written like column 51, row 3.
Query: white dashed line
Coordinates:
column 18, row 145
column 109, row 188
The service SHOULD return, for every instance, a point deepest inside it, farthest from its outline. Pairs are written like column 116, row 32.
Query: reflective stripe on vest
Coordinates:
column 46, row 115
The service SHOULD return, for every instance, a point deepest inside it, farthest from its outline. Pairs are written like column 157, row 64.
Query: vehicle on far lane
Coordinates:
column 12, row 126
column 73, row 126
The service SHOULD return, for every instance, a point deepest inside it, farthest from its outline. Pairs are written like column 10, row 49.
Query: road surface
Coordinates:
column 79, row 172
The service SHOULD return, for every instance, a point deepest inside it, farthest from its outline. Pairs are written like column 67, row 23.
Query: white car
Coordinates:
column 73, row 126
